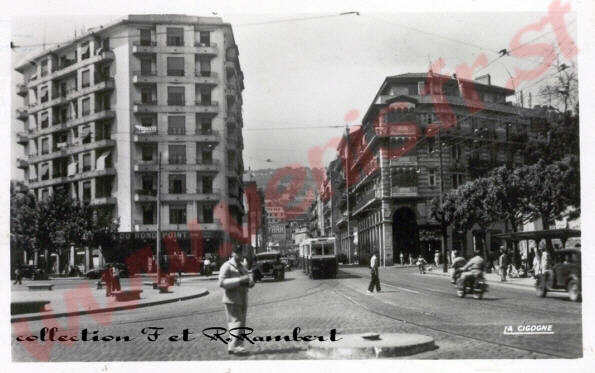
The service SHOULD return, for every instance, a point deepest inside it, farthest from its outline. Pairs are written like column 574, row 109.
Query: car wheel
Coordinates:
column 540, row 289
column 573, row 291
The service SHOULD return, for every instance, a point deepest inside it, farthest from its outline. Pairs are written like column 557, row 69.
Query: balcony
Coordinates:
column 154, row 136
column 400, row 191
column 74, row 148
column 101, row 56
column 21, row 163
column 22, row 114
column 200, row 166
column 404, row 160
column 103, row 201
column 22, row 89
column 145, row 77
column 145, row 195
column 366, row 199
column 144, row 47
column 214, row 196
column 22, row 138
column 209, row 49
column 206, row 78
column 76, row 177
column 207, row 107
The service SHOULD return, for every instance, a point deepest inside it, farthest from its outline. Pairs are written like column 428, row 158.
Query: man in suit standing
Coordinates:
column 235, row 279
column 374, row 280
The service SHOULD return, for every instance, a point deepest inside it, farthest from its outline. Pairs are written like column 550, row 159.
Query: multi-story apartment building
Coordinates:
column 148, row 95
column 393, row 160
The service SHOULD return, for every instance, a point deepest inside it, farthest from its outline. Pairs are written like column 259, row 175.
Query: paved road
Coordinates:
column 409, row 303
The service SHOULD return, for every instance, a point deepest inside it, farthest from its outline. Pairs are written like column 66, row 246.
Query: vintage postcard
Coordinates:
column 344, row 183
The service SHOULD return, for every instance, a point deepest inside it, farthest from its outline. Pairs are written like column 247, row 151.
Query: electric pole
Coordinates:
column 158, row 246
column 442, row 243
column 347, row 165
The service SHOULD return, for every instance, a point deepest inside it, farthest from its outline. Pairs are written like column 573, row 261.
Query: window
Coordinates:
column 205, row 96
column 148, row 96
column 86, row 192
column 148, row 214
column 45, row 122
column 145, row 37
column 85, row 52
column 207, row 184
column 86, row 162
column 176, row 125
column 175, row 36
column 44, row 68
column 44, row 194
column 85, row 76
column 86, row 134
column 205, row 67
column 177, row 214
column 146, row 67
column 147, row 121
column 45, row 145
column 207, row 214
column 456, row 152
column 177, row 154
column 45, row 171
column 177, row 183
column 412, row 89
column 207, row 156
column 147, row 153
column 176, row 96
column 86, row 106
column 175, row 66
column 457, row 180
column 432, row 177
column 147, row 184
column 205, row 38
column 430, row 145
column 43, row 94
column 205, row 125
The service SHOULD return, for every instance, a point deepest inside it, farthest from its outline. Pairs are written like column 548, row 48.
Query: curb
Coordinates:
column 355, row 346
column 109, row 309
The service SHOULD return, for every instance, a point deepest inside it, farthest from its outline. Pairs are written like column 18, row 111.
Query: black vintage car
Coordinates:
column 32, row 272
column 268, row 264
column 565, row 275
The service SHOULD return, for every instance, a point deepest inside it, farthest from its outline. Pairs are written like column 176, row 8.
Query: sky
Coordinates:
column 308, row 73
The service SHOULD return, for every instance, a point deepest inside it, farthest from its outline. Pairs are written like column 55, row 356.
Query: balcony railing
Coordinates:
column 146, row 192
column 22, row 89
column 145, row 72
column 145, row 43
column 175, row 72
column 22, row 113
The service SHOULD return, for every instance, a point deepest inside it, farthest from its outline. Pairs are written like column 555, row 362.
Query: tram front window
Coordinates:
column 322, row 249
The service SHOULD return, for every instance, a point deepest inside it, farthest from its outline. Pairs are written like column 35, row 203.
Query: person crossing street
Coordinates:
column 374, row 280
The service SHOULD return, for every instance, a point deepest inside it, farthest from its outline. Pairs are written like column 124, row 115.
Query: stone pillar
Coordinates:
column 58, row 263
column 87, row 258
column 35, row 257
column 71, row 257
column 100, row 260
column 25, row 257
column 46, row 258
column 387, row 232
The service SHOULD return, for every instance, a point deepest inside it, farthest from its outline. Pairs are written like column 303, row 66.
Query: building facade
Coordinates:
column 423, row 132
column 106, row 113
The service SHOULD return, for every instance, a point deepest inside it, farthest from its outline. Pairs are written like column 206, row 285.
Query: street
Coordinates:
column 409, row 303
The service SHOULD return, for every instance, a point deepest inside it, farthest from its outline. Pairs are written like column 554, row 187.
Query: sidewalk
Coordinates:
column 87, row 299
column 142, row 275
column 492, row 278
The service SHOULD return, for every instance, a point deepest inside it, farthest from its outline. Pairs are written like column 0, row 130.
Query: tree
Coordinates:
column 563, row 93
column 23, row 219
column 444, row 212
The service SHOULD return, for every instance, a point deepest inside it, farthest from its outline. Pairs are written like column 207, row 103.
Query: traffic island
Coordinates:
column 370, row 345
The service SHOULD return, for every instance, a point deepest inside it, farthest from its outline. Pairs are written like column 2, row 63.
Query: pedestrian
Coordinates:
column 545, row 258
column 457, row 263
column 537, row 270
column 402, row 258
column 410, row 259
column 503, row 263
column 421, row 262
column 116, row 278
column 18, row 276
column 235, row 279
column 374, row 280
column 437, row 259
column 106, row 277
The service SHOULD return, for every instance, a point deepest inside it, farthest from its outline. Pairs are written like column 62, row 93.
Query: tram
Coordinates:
column 318, row 257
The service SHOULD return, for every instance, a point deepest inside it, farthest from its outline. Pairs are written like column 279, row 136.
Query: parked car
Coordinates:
column 565, row 275
column 32, row 272
column 268, row 264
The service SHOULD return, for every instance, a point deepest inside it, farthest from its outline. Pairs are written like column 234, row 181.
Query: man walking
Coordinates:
column 402, row 257
column 374, row 280
column 18, row 277
column 437, row 259
column 235, row 279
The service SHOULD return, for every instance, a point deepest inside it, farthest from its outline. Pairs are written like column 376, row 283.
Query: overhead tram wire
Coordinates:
column 288, row 20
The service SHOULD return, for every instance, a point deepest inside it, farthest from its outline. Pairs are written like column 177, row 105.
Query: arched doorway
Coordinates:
column 405, row 234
